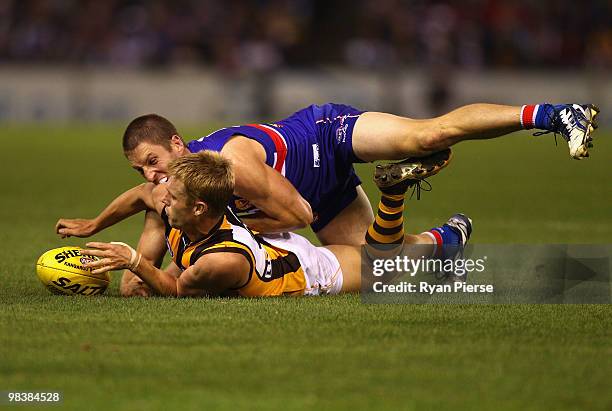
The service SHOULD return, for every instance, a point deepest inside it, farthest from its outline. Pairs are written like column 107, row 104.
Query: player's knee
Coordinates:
column 428, row 138
column 434, row 139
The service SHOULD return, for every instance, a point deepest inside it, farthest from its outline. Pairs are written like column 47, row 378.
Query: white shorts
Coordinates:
column 321, row 267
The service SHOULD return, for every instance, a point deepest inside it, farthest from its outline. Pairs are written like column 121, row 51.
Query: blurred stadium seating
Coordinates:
column 272, row 33
column 257, row 48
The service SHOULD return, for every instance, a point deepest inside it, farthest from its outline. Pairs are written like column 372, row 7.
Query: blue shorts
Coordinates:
column 312, row 148
column 331, row 126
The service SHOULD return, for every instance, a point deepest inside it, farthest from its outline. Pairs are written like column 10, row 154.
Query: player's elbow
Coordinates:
column 294, row 215
column 306, row 220
column 181, row 293
column 186, row 290
column 302, row 215
column 135, row 289
column 301, row 221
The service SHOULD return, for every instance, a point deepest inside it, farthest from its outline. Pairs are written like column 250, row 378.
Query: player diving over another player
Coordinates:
column 299, row 171
column 216, row 254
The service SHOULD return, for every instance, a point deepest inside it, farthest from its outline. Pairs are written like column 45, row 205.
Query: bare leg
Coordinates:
column 385, row 238
column 382, row 136
column 350, row 259
column 421, row 239
column 348, row 226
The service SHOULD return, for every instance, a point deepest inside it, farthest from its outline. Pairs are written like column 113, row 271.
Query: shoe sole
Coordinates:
column 594, row 113
column 470, row 226
column 387, row 175
column 593, row 125
column 451, row 276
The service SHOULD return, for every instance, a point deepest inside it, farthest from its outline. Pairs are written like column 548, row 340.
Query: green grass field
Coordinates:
column 331, row 353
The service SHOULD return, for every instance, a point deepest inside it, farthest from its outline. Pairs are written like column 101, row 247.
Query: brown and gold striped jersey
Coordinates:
column 273, row 270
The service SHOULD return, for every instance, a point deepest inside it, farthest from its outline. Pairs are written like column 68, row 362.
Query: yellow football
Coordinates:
column 61, row 271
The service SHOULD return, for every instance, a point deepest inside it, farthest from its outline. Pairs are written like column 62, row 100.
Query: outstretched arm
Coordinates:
column 210, row 275
column 282, row 207
column 127, row 204
column 117, row 256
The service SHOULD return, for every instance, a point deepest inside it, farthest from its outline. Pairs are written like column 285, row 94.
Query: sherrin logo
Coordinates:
column 60, row 257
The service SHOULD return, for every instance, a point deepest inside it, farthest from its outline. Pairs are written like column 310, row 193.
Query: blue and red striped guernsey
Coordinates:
column 272, row 143
column 287, row 152
column 279, row 143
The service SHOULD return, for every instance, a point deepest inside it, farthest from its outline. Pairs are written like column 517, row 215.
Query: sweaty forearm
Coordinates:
column 265, row 223
column 122, row 207
column 160, row 281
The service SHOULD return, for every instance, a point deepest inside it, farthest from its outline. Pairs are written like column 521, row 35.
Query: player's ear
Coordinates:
column 177, row 144
column 200, row 208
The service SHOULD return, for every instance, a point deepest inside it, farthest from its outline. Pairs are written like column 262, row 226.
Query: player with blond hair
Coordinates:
column 214, row 253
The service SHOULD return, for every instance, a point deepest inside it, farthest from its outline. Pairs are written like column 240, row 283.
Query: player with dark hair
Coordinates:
column 299, row 171
column 214, row 253
column 151, row 128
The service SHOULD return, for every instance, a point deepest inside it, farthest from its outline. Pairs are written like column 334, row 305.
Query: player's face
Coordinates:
column 179, row 206
column 151, row 161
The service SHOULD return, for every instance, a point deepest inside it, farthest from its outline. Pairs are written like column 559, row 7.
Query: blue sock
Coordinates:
column 545, row 114
column 445, row 236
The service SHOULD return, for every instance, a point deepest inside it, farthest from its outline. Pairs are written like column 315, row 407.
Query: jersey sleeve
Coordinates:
column 270, row 139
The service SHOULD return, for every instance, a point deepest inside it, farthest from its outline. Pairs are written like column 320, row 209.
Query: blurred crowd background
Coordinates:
column 202, row 60
column 262, row 35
